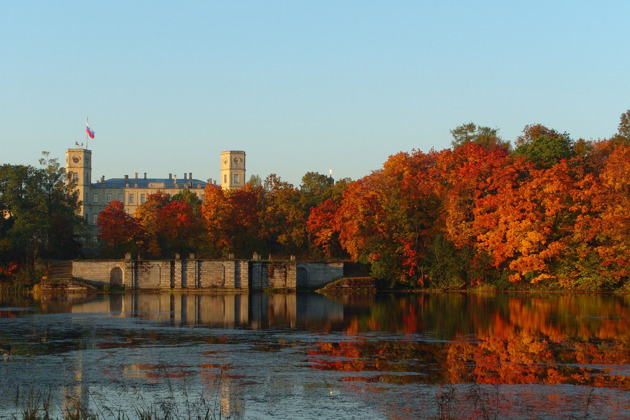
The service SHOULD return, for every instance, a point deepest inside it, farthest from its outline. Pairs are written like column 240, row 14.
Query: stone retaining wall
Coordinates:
column 100, row 273
column 193, row 274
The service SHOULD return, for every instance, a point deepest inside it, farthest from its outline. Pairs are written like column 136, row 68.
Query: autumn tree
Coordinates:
column 179, row 228
column 389, row 217
column 283, row 217
column 148, row 216
column 467, row 173
column 599, row 240
column 232, row 220
column 322, row 228
column 119, row 232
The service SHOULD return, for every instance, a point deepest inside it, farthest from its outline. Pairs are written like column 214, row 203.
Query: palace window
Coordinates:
column 121, row 198
column 236, row 178
column 225, row 179
column 109, row 198
column 96, row 198
column 94, row 219
column 143, row 198
column 130, row 198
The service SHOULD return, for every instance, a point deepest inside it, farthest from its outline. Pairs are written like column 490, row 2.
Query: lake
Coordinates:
column 450, row 355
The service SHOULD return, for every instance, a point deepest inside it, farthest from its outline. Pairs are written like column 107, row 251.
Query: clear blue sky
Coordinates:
column 300, row 86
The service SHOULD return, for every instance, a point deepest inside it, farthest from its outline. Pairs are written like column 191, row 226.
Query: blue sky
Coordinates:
column 300, row 86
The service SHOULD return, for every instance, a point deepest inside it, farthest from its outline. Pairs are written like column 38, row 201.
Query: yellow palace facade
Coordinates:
column 133, row 191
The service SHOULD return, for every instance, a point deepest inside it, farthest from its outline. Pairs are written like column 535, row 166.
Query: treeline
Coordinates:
column 269, row 218
column 547, row 210
column 552, row 211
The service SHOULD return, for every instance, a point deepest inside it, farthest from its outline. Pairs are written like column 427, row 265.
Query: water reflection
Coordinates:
column 284, row 355
column 224, row 310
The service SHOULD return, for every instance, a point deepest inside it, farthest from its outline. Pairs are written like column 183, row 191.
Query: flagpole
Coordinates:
column 86, row 134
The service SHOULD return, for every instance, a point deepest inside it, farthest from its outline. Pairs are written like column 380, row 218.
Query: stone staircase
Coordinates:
column 58, row 270
column 58, row 278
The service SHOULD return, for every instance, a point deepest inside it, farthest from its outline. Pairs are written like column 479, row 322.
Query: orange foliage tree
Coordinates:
column 283, row 217
column 232, row 221
column 389, row 217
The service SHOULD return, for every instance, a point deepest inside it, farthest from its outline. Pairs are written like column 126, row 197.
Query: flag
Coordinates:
column 89, row 130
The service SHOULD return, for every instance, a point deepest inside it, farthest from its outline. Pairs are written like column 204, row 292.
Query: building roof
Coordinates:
column 156, row 183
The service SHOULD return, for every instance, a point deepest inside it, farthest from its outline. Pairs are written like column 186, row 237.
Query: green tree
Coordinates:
column 255, row 181
column 485, row 137
column 623, row 131
column 190, row 198
column 39, row 219
column 543, row 146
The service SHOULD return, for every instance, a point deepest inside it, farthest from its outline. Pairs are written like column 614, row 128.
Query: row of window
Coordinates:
column 131, row 199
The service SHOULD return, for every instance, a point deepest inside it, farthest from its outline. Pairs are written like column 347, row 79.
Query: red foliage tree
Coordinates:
column 119, row 231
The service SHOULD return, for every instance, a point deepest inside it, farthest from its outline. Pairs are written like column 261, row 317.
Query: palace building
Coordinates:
column 132, row 192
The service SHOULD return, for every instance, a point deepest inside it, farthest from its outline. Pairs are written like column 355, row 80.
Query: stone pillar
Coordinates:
column 258, row 275
column 229, row 273
column 291, row 282
column 128, row 273
column 192, row 281
column 244, row 272
column 177, row 273
column 165, row 275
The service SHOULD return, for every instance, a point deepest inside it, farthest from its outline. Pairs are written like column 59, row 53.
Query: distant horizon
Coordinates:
column 301, row 87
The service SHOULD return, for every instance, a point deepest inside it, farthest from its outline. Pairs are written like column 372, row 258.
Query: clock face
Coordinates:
column 76, row 159
column 235, row 160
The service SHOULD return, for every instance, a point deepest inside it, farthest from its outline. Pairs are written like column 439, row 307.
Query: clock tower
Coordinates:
column 79, row 171
column 232, row 169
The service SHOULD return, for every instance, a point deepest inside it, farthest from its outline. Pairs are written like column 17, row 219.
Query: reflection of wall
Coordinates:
column 75, row 396
column 258, row 310
column 232, row 401
column 266, row 310
column 315, row 307
column 227, row 310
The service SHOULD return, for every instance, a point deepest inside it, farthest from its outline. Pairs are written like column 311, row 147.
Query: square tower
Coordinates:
column 79, row 170
column 232, row 169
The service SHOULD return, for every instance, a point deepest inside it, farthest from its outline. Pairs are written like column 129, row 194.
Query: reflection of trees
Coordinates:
column 575, row 339
column 543, row 341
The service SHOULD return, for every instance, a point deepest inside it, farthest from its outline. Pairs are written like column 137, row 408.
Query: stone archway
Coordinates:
column 116, row 277
column 302, row 278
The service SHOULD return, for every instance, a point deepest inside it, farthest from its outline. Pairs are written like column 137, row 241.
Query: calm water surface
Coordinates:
column 308, row 356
